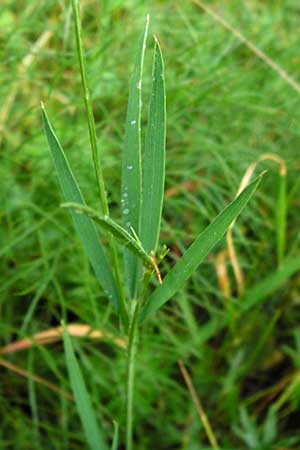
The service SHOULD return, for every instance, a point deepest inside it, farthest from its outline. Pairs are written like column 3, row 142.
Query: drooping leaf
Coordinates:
column 131, row 164
column 154, row 157
column 196, row 253
column 83, row 223
column 106, row 223
column 83, row 403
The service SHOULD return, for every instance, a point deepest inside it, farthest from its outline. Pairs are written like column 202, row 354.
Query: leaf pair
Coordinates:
column 143, row 183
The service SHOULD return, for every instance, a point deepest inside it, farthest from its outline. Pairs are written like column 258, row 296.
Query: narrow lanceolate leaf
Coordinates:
column 83, row 223
column 106, row 223
column 154, row 158
column 131, row 164
column 84, row 407
column 195, row 254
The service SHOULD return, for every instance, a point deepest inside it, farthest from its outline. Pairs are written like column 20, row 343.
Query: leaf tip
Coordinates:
column 155, row 39
column 262, row 173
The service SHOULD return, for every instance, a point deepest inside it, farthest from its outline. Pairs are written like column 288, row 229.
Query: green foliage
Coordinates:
column 150, row 212
column 82, row 399
column 195, row 254
column 225, row 108
column 132, row 165
column 154, row 158
column 83, row 223
column 115, row 229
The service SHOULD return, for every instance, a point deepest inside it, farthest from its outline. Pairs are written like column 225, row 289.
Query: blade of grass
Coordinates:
column 83, row 224
column 115, row 441
column 273, row 281
column 115, row 229
column 281, row 216
column 82, row 399
column 131, row 164
column 24, row 373
column 89, row 107
column 95, row 152
column 55, row 334
column 131, row 353
column 154, row 158
column 283, row 74
column 200, row 410
column 195, row 254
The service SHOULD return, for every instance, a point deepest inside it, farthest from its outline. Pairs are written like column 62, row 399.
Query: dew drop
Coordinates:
column 133, row 122
column 139, row 84
column 129, row 167
column 126, row 211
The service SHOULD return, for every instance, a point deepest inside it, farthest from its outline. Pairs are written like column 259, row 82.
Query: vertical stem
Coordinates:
column 281, row 216
column 89, row 108
column 96, row 156
column 131, row 353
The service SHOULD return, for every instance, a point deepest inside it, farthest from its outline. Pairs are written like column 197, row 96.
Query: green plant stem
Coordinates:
column 96, row 157
column 281, row 217
column 131, row 353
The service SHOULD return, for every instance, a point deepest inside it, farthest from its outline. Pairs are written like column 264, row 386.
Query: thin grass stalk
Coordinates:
column 281, row 215
column 115, row 441
column 200, row 410
column 96, row 155
column 281, row 204
column 131, row 354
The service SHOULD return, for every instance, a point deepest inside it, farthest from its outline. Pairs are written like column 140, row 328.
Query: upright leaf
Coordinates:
column 131, row 165
column 154, row 158
column 83, row 223
column 195, row 254
column 82, row 399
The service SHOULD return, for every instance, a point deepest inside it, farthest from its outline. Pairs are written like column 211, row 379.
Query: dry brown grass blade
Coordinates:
column 238, row 273
column 23, row 66
column 204, row 419
column 24, row 373
column 257, row 51
column 55, row 334
column 222, row 275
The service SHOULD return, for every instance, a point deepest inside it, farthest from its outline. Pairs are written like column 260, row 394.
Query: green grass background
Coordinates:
column 225, row 107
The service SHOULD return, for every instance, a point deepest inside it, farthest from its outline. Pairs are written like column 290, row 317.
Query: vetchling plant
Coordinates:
column 143, row 175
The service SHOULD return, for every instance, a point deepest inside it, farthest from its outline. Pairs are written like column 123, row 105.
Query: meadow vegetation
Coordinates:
column 218, row 365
